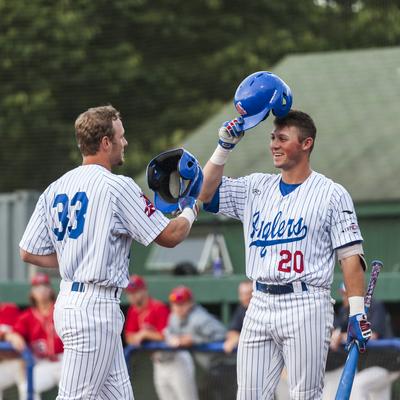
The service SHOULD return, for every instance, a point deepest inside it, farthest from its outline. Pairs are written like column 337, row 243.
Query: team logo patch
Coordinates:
column 240, row 108
column 353, row 227
column 149, row 208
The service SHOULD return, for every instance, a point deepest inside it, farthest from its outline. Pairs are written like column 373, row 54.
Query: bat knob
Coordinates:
column 377, row 263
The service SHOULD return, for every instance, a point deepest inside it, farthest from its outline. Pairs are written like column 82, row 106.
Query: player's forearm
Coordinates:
column 212, row 179
column 46, row 261
column 353, row 276
column 174, row 233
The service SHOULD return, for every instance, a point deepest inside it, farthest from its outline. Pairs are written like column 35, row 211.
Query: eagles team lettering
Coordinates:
column 276, row 231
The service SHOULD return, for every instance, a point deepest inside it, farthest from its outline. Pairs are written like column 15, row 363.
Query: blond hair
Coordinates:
column 92, row 125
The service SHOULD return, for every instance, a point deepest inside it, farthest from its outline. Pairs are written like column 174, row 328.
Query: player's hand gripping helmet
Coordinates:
column 260, row 93
column 173, row 175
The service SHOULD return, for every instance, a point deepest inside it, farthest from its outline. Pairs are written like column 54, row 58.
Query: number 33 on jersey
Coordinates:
column 71, row 214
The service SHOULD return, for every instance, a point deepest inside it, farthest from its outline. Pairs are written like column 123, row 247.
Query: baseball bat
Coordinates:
column 349, row 370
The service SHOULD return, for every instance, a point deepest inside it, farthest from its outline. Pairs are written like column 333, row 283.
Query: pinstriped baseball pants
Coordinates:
column 90, row 326
column 289, row 329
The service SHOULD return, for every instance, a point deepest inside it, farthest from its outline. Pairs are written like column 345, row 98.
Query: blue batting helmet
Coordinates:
column 260, row 93
column 173, row 175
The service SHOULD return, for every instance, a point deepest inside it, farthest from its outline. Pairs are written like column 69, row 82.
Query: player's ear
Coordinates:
column 105, row 142
column 307, row 143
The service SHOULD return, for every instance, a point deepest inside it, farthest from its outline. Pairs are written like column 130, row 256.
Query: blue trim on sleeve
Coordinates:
column 213, row 205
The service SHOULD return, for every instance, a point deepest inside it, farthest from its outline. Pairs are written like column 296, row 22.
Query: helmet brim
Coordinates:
column 164, row 206
column 254, row 120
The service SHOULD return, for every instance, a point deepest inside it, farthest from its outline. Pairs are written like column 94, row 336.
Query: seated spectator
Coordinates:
column 12, row 369
column 146, row 320
column 245, row 290
column 35, row 328
column 373, row 383
column 190, row 324
column 146, row 317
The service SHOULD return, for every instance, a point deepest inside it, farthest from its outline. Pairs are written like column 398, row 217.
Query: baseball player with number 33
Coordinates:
column 84, row 223
column 295, row 223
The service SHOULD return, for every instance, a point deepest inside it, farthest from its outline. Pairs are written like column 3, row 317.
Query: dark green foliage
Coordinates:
column 167, row 65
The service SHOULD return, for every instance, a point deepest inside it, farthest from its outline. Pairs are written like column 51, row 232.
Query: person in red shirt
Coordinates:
column 146, row 317
column 34, row 328
column 146, row 320
column 12, row 371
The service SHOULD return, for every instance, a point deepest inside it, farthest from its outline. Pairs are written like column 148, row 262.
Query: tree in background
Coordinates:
column 166, row 64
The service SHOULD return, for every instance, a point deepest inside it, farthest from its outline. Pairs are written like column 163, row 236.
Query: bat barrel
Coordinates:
column 376, row 267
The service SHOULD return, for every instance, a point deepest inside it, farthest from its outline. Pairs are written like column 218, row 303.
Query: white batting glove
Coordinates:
column 230, row 133
column 188, row 209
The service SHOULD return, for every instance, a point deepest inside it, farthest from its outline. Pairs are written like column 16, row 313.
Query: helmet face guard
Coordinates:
column 173, row 175
column 260, row 93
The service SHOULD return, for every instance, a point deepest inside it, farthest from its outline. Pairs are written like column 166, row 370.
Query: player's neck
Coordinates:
column 97, row 160
column 296, row 175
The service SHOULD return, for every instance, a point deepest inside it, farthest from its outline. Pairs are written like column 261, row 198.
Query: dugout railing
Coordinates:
column 383, row 352
column 29, row 364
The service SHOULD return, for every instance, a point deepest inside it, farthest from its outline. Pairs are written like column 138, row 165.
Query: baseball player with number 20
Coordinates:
column 295, row 223
column 84, row 223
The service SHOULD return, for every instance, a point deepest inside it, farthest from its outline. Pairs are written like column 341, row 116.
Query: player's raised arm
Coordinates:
column 230, row 133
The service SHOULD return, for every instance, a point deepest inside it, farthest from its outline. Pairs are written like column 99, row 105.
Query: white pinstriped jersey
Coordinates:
column 89, row 217
column 293, row 237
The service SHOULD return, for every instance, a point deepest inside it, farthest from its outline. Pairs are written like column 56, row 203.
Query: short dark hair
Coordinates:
column 300, row 120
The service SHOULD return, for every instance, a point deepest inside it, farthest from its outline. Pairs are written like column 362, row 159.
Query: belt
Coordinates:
column 281, row 289
column 77, row 287
column 92, row 289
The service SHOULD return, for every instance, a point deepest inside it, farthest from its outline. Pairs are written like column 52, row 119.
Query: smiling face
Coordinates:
column 287, row 149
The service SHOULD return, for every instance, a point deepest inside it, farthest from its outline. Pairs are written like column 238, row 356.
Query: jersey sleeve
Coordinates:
column 232, row 194
column 137, row 213
column 343, row 219
column 36, row 239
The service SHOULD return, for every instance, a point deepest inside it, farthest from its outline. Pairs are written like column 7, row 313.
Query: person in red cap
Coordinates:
column 12, row 370
column 188, row 324
column 34, row 328
column 146, row 317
